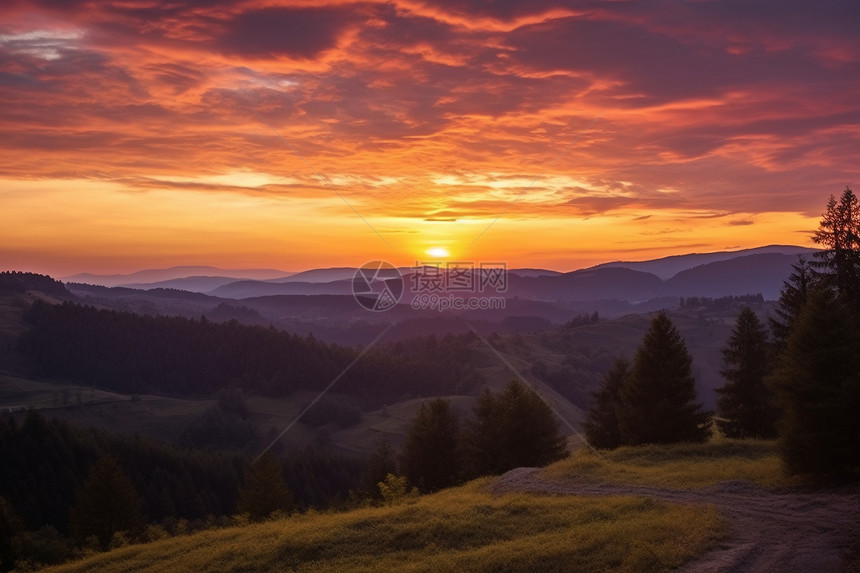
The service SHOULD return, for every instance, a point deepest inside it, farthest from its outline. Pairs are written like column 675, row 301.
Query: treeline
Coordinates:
column 45, row 460
column 45, row 464
column 177, row 356
column 583, row 319
column 14, row 282
column 799, row 382
column 719, row 303
column 511, row 429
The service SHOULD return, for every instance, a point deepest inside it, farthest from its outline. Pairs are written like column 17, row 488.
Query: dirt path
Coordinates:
column 771, row 531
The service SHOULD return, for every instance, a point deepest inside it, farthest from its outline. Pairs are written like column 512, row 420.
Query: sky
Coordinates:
column 291, row 135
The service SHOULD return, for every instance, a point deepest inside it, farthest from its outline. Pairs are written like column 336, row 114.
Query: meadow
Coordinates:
column 678, row 466
column 461, row 529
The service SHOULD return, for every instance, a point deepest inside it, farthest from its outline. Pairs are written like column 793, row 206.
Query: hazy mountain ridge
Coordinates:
column 149, row 276
column 201, row 284
column 668, row 267
column 751, row 274
column 588, row 284
column 534, row 300
column 633, row 281
column 747, row 272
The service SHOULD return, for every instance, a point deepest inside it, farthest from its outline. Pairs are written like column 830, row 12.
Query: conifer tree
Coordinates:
column 106, row 503
column 839, row 233
column 817, row 386
column 795, row 289
column 745, row 405
column 817, row 379
column 601, row 427
column 431, row 457
column 382, row 461
column 513, row 429
column 10, row 526
column 658, row 398
column 264, row 491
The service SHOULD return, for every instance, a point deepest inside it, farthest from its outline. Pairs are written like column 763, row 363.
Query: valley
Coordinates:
column 235, row 376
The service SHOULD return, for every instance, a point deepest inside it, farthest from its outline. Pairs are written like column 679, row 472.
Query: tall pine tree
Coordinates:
column 817, row 380
column 431, row 457
column 745, row 405
column 817, row 385
column 10, row 526
column 381, row 463
column 791, row 300
column 265, row 491
column 602, row 427
column 658, row 398
column 513, row 429
column 839, row 233
column 106, row 503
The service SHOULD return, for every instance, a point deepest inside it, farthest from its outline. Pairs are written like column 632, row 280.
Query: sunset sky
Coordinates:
column 289, row 135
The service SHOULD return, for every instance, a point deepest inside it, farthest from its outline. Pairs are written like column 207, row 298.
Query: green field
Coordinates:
column 462, row 529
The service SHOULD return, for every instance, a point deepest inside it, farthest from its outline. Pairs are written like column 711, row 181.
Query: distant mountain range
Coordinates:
column 750, row 271
column 155, row 278
column 668, row 267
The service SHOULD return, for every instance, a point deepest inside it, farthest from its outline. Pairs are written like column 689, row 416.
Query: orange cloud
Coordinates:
column 134, row 133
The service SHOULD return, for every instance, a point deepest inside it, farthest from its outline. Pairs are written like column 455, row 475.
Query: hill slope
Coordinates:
column 157, row 275
column 462, row 529
column 751, row 274
column 667, row 267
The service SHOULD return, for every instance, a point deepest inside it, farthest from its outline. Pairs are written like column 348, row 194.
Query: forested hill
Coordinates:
column 51, row 460
column 13, row 282
column 176, row 356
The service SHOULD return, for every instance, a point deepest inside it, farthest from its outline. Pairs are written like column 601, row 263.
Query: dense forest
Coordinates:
column 13, row 282
column 45, row 462
column 183, row 357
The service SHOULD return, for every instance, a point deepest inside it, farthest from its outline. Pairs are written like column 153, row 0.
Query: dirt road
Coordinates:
column 771, row 531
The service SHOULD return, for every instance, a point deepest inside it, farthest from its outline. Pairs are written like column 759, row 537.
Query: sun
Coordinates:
column 438, row 252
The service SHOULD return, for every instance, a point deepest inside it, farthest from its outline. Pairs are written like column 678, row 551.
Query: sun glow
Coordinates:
column 439, row 252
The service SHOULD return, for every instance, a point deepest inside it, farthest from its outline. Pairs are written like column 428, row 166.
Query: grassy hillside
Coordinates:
column 677, row 466
column 463, row 529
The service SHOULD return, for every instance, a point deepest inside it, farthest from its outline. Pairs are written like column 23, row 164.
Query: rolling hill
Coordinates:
column 760, row 273
column 149, row 276
column 668, row 267
column 748, row 271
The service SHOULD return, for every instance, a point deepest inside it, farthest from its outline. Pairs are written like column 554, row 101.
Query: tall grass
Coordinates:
column 681, row 466
column 462, row 529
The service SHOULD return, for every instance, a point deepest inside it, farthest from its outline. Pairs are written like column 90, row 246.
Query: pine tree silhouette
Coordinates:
column 514, row 429
column 658, row 398
column 795, row 289
column 817, row 386
column 745, row 405
column 601, row 427
column 431, row 456
column 264, row 491
column 106, row 503
column 839, row 233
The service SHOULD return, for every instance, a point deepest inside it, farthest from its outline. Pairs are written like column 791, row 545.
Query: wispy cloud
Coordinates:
column 425, row 113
